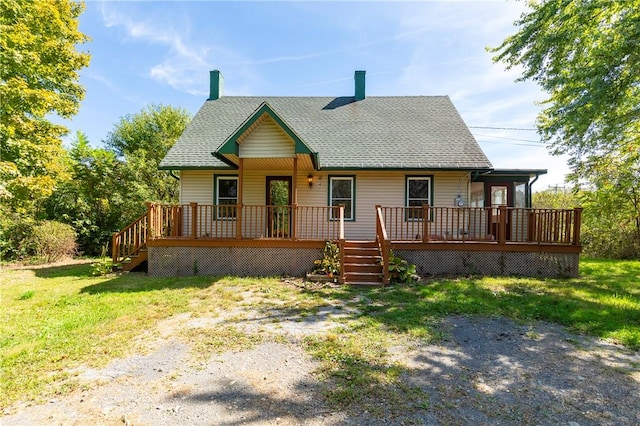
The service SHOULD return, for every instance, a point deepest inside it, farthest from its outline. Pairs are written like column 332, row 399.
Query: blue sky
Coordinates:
column 161, row 53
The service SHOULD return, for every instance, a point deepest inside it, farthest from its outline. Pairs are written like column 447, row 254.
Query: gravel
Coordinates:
column 485, row 371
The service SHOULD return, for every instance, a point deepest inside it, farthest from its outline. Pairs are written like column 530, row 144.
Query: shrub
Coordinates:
column 401, row 271
column 104, row 265
column 14, row 237
column 330, row 262
column 53, row 240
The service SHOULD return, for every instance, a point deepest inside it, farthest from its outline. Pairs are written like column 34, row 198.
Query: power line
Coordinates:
column 515, row 143
column 512, row 139
column 502, row 128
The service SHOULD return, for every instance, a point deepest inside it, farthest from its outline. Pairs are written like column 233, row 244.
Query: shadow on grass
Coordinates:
column 122, row 282
column 141, row 282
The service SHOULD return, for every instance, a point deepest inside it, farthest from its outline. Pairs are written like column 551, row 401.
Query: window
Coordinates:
column 226, row 190
column 477, row 194
column 520, row 196
column 418, row 194
column 341, row 191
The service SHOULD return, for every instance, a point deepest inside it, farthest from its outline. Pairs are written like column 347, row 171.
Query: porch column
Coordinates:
column 294, row 199
column 239, row 204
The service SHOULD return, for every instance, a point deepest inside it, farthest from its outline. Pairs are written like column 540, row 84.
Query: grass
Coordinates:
column 54, row 320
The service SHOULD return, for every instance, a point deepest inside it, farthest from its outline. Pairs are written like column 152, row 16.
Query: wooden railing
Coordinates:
column 384, row 244
column 200, row 221
column 128, row 242
column 500, row 224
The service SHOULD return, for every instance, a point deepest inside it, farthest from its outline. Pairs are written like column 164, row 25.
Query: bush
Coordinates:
column 53, row 240
column 401, row 271
column 330, row 262
column 14, row 237
column 104, row 265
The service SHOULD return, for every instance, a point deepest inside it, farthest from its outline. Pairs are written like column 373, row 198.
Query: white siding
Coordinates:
column 268, row 140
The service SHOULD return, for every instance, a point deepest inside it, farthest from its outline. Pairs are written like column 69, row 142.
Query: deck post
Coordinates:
column 577, row 221
column 151, row 225
column 194, row 220
column 239, row 206
column 341, row 242
column 502, row 224
column 294, row 200
column 115, row 247
column 294, row 216
column 425, row 223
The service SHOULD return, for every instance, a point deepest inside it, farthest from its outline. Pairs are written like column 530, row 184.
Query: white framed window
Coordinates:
column 342, row 192
column 226, row 196
column 419, row 192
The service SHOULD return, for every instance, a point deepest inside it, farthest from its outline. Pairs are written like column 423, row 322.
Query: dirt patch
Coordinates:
column 485, row 371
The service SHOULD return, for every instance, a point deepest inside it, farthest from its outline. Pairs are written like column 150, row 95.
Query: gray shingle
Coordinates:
column 407, row 132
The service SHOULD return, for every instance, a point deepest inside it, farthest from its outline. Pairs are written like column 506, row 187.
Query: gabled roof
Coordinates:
column 405, row 132
column 231, row 145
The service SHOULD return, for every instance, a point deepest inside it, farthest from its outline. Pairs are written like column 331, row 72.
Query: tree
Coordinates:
column 586, row 55
column 142, row 140
column 39, row 71
column 554, row 198
column 92, row 201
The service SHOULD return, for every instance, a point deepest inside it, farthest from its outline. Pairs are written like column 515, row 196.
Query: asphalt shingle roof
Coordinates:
column 404, row 132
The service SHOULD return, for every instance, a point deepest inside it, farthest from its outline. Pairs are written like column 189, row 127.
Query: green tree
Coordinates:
column 39, row 67
column 93, row 200
column 586, row 55
column 554, row 198
column 142, row 140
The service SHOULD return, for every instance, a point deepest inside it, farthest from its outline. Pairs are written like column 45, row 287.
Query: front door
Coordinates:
column 278, row 206
column 499, row 194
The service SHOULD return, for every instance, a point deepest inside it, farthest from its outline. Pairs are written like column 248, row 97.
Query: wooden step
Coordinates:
column 362, row 263
column 366, row 260
column 362, row 267
column 360, row 244
column 135, row 260
column 357, row 251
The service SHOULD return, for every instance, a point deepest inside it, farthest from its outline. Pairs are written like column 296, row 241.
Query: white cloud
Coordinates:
column 186, row 58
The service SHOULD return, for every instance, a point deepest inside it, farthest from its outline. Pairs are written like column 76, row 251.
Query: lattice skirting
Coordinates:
column 240, row 261
column 530, row 264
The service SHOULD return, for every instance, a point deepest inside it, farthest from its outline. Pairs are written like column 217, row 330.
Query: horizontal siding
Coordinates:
column 372, row 188
column 196, row 187
column 268, row 140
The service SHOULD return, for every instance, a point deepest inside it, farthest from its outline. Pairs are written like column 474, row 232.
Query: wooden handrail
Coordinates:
column 131, row 239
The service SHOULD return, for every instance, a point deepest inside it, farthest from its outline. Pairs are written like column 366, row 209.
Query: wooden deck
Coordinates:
column 399, row 228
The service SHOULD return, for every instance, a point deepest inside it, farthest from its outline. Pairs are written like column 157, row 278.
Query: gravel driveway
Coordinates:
column 484, row 371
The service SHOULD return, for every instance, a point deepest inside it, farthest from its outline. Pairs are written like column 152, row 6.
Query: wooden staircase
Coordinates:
column 135, row 260
column 362, row 263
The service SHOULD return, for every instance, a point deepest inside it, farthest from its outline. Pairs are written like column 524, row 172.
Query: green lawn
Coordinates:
column 56, row 319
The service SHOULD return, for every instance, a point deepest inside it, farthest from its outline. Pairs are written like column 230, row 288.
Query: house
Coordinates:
column 265, row 181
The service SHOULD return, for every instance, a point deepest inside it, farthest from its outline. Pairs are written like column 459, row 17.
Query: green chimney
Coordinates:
column 359, row 78
column 216, row 84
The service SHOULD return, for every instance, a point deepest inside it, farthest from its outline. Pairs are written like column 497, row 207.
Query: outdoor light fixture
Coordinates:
column 310, row 180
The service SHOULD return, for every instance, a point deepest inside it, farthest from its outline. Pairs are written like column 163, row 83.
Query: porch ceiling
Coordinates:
column 304, row 163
